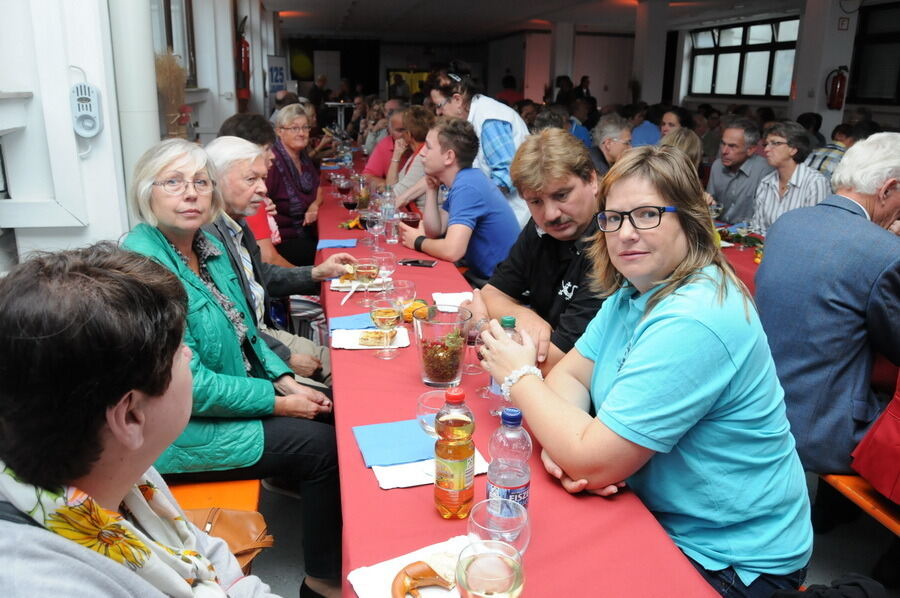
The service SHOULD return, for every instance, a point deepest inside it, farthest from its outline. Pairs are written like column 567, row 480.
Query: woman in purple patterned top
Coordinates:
column 293, row 184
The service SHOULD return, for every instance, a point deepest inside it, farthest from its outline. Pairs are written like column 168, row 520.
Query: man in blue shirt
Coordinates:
column 475, row 222
column 644, row 131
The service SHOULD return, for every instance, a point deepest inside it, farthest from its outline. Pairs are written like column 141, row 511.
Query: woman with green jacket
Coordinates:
column 250, row 419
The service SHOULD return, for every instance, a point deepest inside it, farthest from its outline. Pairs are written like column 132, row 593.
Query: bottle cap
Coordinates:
column 508, row 321
column 455, row 395
column 510, row 416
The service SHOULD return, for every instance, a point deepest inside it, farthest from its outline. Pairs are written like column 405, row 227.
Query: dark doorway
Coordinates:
column 668, row 86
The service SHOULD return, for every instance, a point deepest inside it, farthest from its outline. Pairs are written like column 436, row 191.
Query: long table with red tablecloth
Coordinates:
column 581, row 545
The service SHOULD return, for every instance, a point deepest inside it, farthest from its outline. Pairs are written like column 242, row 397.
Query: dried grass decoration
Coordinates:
column 171, row 79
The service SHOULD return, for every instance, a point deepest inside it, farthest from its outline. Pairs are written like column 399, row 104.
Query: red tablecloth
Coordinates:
column 581, row 545
column 742, row 262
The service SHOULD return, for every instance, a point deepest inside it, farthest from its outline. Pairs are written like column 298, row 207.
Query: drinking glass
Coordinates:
column 427, row 406
column 366, row 272
column 364, row 223
column 410, row 219
column 714, row 210
column 349, row 201
column 386, row 315
column 335, row 179
column 361, row 190
column 387, row 264
column 441, row 343
column 403, row 291
column 375, row 226
column 743, row 229
column 343, row 186
column 474, row 343
column 490, row 568
column 500, row 519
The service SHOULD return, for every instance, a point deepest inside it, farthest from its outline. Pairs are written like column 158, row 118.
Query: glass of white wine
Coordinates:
column 366, row 272
column 387, row 315
column 490, row 568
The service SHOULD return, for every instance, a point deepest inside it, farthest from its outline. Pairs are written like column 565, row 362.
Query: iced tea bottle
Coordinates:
column 454, row 456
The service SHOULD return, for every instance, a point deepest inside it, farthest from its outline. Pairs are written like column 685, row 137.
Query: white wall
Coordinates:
column 537, row 65
column 607, row 61
column 505, row 53
column 45, row 37
column 821, row 47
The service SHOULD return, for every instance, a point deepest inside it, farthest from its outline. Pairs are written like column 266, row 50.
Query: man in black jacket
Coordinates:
column 544, row 280
column 241, row 167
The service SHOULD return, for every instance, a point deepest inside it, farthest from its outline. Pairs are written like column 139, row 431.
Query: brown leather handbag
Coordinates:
column 245, row 532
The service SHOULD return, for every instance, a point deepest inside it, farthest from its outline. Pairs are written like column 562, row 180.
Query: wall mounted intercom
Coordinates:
column 85, row 102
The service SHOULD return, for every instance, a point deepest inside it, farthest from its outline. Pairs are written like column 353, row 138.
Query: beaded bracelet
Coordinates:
column 516, row 375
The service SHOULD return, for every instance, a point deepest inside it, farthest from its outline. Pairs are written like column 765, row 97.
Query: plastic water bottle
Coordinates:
column 509, row 475
column 454, row 456
column 498, row 401
column 390, row 216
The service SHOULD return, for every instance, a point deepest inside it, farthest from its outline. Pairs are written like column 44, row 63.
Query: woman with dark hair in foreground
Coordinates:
column 96, row 384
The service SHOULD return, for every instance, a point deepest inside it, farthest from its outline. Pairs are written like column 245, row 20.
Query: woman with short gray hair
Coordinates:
column 793, row 184
column 293, row 184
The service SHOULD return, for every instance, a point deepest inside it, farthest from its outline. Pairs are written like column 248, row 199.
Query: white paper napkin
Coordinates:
column 375, row 581
column 349, row 339
column 418, row 473
column 337, row 285
column 451, row 298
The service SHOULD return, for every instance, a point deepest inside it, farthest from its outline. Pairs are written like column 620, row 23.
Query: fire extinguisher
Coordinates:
column 835, row 87
column 243, row 70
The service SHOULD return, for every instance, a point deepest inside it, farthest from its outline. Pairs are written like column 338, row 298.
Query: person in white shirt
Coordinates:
column 793, row 184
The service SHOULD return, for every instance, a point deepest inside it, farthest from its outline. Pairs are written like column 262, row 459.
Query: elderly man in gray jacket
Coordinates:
column 241, row 167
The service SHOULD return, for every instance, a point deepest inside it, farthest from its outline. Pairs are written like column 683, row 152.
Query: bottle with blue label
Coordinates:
column 509, row 474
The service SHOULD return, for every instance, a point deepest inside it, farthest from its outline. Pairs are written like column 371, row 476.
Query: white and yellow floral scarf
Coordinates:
column 153, row 540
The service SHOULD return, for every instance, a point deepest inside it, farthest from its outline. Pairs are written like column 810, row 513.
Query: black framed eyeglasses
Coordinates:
column 642, row 218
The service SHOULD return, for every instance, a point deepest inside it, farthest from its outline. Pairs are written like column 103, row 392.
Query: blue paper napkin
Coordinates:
column 332, row 243
column 329, row 167
column 354, row 322
column 393, row 443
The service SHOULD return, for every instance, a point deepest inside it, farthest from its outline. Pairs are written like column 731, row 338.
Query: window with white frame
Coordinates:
column 747, row 60
column 173, row 27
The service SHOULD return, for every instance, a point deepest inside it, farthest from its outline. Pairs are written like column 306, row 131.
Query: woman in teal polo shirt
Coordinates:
column 690, row 412
column 250, row 418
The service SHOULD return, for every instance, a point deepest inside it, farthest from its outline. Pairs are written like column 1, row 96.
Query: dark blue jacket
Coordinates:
column 828, row 293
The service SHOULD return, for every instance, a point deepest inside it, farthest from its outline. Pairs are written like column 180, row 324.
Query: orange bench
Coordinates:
column 868, row 499
column 241, row 494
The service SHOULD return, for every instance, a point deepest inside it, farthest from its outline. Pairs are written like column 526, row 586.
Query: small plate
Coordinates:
column 349, row 339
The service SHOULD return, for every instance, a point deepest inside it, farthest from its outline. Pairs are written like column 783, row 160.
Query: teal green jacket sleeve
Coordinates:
column 221, row 386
